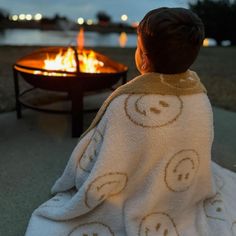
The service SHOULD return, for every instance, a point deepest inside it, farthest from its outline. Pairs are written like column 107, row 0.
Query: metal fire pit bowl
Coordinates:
column 75, row 83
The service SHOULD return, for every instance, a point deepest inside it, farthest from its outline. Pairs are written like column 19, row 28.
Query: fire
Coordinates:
column 62, row 62
column 67, row 62
column 88, row 62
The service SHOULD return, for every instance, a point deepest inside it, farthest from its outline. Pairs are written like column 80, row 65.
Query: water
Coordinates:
column 61, row 38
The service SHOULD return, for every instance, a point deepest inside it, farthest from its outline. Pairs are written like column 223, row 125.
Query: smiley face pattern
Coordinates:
column 151, row 111
column 214, row 207
column 90, row 154
column 157, row 224
column 92, row 229
column 181, row 170
column 103, row 187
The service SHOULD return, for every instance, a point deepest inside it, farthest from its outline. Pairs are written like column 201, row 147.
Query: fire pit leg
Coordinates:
column 16, row 85
column 76, row 111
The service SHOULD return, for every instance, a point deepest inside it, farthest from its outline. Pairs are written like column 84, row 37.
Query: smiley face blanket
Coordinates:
column 143, row 168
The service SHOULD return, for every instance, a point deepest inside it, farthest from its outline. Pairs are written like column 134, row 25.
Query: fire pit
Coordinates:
column 69, row 70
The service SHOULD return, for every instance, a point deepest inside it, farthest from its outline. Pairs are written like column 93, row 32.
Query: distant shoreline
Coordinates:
column 67, row 25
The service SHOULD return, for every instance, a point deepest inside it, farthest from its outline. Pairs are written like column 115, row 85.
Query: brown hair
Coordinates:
column 172, row 38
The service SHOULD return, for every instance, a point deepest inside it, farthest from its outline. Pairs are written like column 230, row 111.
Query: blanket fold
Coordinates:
column 144, row 168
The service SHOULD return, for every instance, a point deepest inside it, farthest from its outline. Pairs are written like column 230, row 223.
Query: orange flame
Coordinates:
column 66, row 62
column 63, row 62
column 88, row 62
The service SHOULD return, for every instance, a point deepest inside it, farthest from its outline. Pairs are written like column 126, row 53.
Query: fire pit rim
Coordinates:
column 22, row 68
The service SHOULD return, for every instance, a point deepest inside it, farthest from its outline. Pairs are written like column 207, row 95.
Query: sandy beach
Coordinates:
column 215, row 66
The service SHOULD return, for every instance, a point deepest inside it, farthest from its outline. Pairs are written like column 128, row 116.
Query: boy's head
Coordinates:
column 169, row 40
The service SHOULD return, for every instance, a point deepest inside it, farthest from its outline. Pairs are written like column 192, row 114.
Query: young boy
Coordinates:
column 144, row 165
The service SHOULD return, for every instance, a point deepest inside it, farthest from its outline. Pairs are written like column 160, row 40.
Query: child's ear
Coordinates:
column 144, row 60
column 145, row 63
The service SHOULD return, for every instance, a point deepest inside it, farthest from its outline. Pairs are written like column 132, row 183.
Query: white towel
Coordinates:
column 144, row 169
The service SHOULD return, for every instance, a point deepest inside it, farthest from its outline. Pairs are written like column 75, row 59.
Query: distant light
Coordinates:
column 28, row 17
column 22, row 16
column 124, row 17
column 225, row 43
column 209, row 42
column 89, row 21
column 14, row 17
column 38, row 16
column 123, row 39
column 206, row 42
column 80, row 20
